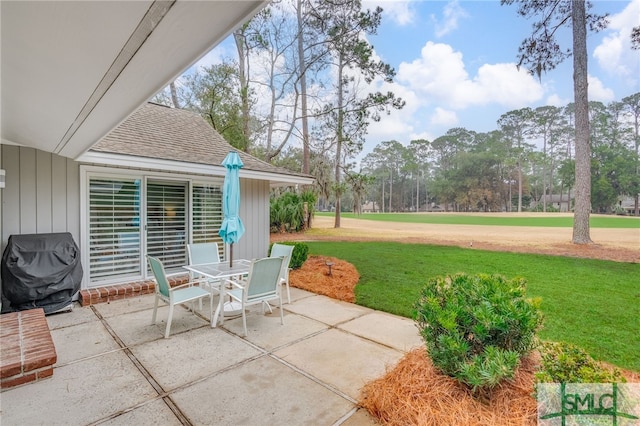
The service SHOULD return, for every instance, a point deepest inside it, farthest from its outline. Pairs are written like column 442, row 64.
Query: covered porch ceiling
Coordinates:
column 71, row 71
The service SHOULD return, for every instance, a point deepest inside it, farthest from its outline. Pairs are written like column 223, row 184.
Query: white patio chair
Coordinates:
column 200, row 253
column 286, row 251
column 184, row 293
column 261, row 286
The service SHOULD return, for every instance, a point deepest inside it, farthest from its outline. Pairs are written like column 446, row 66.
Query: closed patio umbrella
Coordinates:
column 232, row 227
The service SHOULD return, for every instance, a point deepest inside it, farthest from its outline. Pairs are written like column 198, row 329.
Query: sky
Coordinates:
column 455, row 64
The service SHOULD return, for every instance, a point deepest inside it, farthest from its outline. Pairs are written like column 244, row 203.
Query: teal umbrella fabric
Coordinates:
column 232, row 228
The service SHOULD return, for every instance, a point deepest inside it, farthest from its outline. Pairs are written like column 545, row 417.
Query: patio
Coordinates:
column 114, row 368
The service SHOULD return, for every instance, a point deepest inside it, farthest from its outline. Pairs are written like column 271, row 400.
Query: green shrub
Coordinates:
column 286, row 212
column 299, row 254
column 563, row 362
column 476, row 327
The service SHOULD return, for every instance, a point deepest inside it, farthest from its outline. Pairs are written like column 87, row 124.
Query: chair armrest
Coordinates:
column 237, row 284
column 189, row 284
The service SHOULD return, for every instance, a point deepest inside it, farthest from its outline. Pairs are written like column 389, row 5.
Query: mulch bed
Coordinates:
column 415, row 393
column 314, row 276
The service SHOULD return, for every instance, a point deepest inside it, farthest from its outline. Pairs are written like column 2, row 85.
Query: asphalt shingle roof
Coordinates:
column 161, row 132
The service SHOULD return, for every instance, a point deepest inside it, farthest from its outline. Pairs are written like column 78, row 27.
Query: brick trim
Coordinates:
column 27, row 350
column 93, row 296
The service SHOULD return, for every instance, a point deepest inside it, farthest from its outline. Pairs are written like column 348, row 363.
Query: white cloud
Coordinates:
column 557, row 101
column 399, row 123
column 443, row 117
column 440, row 77
column 597, row 91
column 614, row 54
column 422, row 135
column 401, row 12
column 451, row 14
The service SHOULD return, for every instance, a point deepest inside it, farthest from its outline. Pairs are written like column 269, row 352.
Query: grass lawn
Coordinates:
column 594, row 304
column 564, row 221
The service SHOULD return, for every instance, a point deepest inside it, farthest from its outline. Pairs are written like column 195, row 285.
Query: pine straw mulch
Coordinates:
column 314, row 276
column 414, row 392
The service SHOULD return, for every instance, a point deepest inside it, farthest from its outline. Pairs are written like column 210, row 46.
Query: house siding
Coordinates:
column 254, row 212
column 42, row 195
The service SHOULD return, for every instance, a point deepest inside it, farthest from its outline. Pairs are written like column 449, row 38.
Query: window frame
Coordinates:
column 88, row 172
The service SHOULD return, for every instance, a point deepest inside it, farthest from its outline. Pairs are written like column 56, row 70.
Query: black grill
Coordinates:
column 40, row 271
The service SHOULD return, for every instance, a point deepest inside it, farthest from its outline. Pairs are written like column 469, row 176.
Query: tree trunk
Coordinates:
column 582, row 191
column 239, row 38
column 382, row 195
column 519, row 186
column 174, row 94
column 339, row 136
column 418, row 193
column 390, row 191
column 306, row 152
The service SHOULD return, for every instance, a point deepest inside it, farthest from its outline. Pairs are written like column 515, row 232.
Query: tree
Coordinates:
column 516, row 126
column 541, row 53
column 358, row 183
column 242, row 46
column 214, row 92
column 548, row 122
column 274, row 36
column 635, row 38
column 302, row 69
column 345, row 25
column 632, row 105
column 419, row 150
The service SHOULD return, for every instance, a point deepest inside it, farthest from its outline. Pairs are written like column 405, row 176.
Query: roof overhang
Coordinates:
column 128, row 161
column 71, row 71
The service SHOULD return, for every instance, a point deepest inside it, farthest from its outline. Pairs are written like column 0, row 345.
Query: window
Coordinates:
column 207, row 214
column 114, row 228
column 128, row 217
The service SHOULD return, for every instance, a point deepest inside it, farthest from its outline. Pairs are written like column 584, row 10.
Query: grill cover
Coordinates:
column 41, row 271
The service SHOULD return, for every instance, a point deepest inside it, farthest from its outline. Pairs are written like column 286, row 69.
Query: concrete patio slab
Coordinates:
column 390, row 330
column 155, row 412
column 340, row 359
column 360, row 418
column 298, row 294
column 82, row 341
column 327, row 310
column 261, row 392
column 308, row 371
column 78, row 393
column 267, row 332
column 193, row 355
column 77, row 316
column 135, row 328
column 125, row 306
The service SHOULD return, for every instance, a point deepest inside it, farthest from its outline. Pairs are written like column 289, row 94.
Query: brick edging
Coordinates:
column 106, row 294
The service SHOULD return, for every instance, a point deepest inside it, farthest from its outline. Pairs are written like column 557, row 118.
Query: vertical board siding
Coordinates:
column 59, row 186
column 27, row 182
column 42, row 194
column 73, row 199
column 44, row 206
column 254, row 211
column 10, row 193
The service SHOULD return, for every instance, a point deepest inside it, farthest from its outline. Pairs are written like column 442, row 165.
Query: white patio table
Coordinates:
column 220, row 271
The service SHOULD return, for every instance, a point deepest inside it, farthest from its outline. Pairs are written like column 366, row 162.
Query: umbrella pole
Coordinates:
column 231, row 255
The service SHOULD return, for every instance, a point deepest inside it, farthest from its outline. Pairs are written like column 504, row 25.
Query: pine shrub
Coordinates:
column 564, row 362
column 477, row 327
